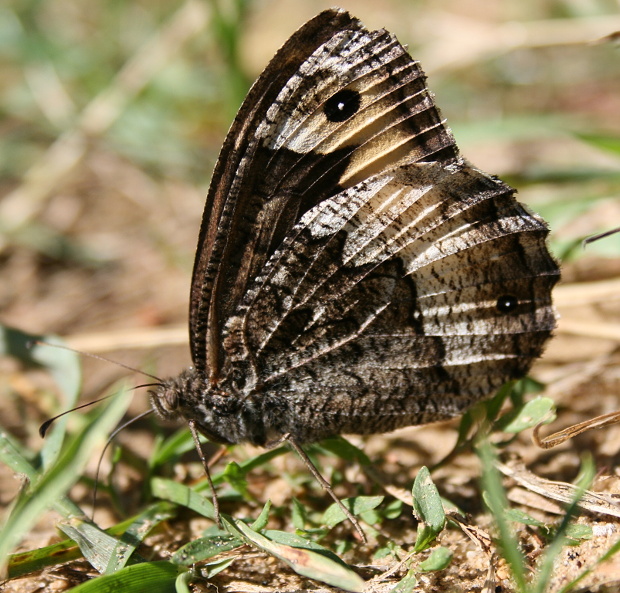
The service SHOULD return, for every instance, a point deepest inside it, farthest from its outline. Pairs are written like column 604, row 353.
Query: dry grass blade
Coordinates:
column 139, row 338
column 566, row 296
column 595, row 502
column 557, row 438
column 586, row 293
column 451, row 52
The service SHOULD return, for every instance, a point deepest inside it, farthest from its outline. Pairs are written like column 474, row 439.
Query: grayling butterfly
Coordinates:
column 354, row 274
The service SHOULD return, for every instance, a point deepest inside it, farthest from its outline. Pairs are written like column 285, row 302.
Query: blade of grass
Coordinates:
column 204, row 548
column 154, row 577
column 303, row 561
column 553, row 549
column 23, row 203
column 181, row 494
column 246, row 466
column 34, row 560
column 47, row 489
column 608, row 555
column 497, row 502
column 63, row 365
column 135, row 533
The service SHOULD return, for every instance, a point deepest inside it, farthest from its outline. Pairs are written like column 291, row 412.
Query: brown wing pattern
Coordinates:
column 337, row 105
column 409, row 296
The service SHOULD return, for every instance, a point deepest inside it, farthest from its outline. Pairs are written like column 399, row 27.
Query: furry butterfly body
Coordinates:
column 354, row 274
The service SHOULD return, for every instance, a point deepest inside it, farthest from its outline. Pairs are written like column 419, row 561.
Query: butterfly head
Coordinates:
column 222, row 415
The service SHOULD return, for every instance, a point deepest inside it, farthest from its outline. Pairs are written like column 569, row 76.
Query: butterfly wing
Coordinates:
column 399, row 301
column 336, row 105
column 351, row 263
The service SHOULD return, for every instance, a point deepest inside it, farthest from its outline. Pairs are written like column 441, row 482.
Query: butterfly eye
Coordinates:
column 507, row 303
column 342, row 105
column 170, row 400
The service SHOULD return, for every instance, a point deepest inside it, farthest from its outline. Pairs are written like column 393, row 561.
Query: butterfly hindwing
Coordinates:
column 398, row 301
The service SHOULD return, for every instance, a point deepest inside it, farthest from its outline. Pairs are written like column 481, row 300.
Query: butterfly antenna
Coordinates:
column 105, row 448
column 598, row 236
column 45, row 426
column 91, row 355
column 205, row 465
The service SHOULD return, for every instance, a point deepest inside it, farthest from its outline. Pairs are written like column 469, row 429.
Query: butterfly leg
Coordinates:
column 324, row 484
column 205, row 465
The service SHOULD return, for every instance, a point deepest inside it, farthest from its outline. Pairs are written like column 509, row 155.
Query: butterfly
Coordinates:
column 354, row 274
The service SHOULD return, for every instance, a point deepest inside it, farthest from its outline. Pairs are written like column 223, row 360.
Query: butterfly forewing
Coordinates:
column 232, row 204
column 345, row 104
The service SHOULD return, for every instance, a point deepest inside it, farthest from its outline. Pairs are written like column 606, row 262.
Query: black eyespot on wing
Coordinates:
column 342, row 105
column 507, row 303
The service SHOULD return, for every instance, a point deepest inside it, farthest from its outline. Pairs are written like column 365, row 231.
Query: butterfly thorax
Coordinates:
column 221, row 412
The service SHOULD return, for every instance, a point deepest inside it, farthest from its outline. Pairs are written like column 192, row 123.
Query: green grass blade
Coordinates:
column 204, row 548
column 137, row 528
column 172, row 448
column 63, row 365
column 496, row 500
column 342, row 448
column 181, row 494
column 48, row 489
column 95, row 544
column 13, row 458
column 552, row 551
column 154, row 577
column 605, row 142
column 35, row 560
column 305, row 562
column 108, row 554
column 607, row 556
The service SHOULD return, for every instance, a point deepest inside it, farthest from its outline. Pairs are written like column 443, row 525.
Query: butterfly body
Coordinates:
column 354, row 273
